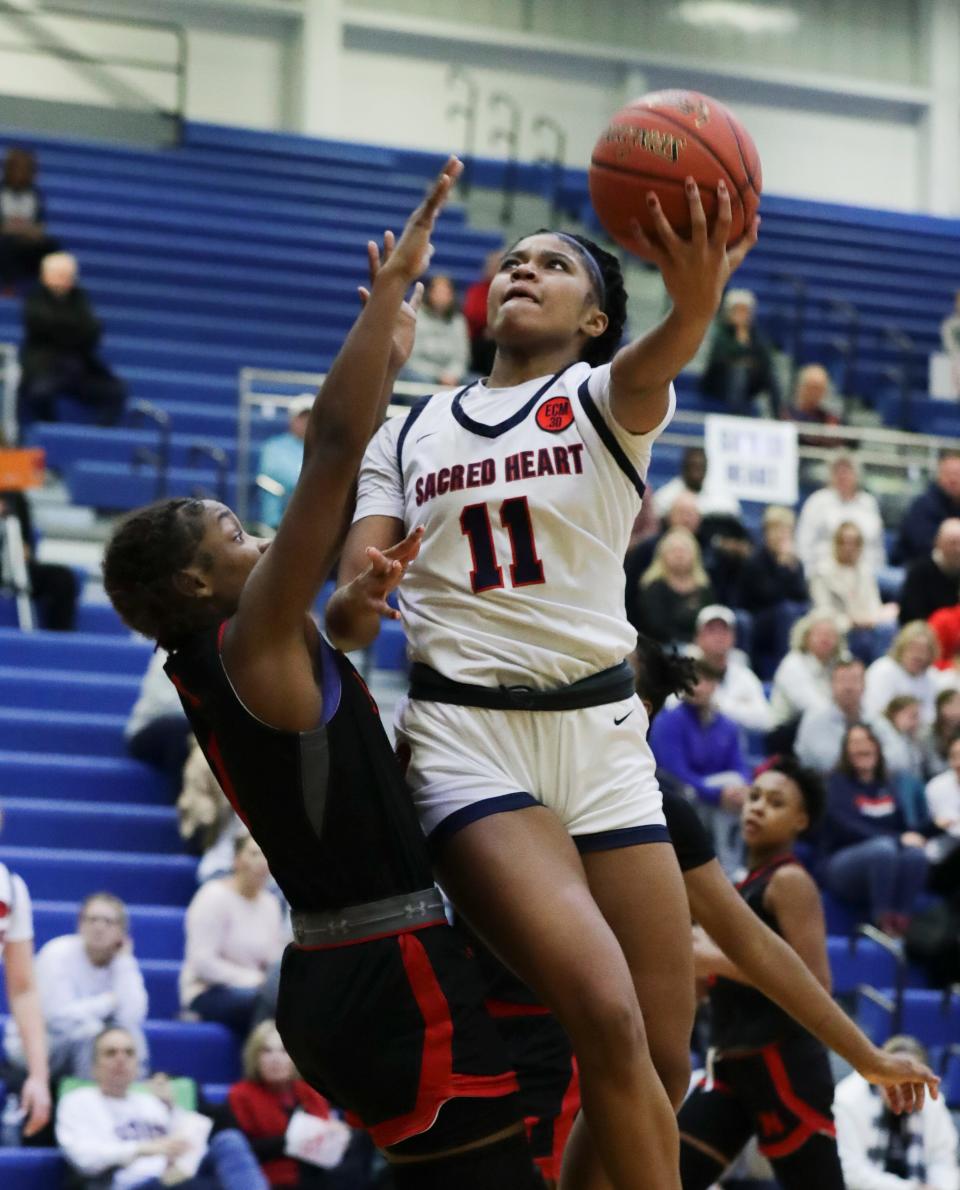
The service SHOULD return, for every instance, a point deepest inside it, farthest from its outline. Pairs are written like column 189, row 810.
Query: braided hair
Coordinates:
column 662, row 672
column 142, row 559
column 613, row 300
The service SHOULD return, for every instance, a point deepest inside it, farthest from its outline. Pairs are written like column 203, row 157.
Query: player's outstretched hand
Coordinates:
column 905, row 1081
column 369, row 590
column 411, row 253
column 405, row 327
column 695, row 270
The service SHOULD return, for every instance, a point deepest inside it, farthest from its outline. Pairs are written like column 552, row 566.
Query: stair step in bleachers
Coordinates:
column 157, row 930
column 78, row 776
column 60, row 823
column 61, row 731
column 58, row 873
column 65, row 690
column 160, row 977
column 81, row 651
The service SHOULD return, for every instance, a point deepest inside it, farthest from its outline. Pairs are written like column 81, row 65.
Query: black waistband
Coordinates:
column 610, row 685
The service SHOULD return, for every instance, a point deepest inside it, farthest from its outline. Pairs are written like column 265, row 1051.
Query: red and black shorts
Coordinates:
column 390, row 1029
column 546, row 1070
column 783, row 1095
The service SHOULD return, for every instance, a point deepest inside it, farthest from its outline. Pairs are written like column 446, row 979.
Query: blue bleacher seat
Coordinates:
column 390, row 647
column 157, row 930
column 950, row 1073
column 202, row 1051
column 841, row 918
column 857, row 959
column 58, row 874
column 32, row 1169
column 104, row 778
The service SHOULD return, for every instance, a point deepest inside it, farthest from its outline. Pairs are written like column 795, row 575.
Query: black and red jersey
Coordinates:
column 743, row 1017
column 329, row 806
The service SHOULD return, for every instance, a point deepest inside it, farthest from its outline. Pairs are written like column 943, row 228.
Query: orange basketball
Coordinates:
column 658, row 141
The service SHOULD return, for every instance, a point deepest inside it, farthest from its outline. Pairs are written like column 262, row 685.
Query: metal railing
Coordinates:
column 9, row 382
column 894, row 453
column 42, row 40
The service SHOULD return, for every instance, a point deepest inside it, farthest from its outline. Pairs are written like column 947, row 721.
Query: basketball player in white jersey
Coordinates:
column 528, row 759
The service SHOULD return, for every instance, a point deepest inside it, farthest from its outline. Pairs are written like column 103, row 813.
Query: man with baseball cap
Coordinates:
column 739, row 693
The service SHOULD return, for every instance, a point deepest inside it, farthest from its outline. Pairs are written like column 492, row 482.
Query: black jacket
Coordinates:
column 57, row 326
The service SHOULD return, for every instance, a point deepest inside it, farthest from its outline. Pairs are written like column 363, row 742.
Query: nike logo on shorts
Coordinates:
column 617, row 722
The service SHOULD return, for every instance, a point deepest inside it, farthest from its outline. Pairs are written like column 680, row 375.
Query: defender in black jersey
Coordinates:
column 379, row 1004
column 767, row 1076
column 542, row 1055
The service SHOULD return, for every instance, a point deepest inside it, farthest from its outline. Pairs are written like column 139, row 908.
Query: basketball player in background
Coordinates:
column 528, row 756
column 379, row 1005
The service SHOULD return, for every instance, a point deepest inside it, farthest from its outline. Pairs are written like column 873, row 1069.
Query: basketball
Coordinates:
column 655, row 143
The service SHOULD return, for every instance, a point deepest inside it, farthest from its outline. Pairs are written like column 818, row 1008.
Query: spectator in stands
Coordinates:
column 58, row 356
column 699, row 748
column 883, row 1151
column 157, row 731
column 268, row 1107
column 802, row 680
column 739, row 693
column 482, row 347
column 683, row 514
column 673, row 591
column 281, row 458
column 906, row 669
column 740, row 362
column 811, row 394
column 904, row 744
column 822, row 728
column 116, row 1138
column 441, row 350
column 694, row 478
column 929, row 510
column 23, row 239
column 946, row 725
column 950, row 338
column 845, row 584
column 772, row 585
column 23, row 1000
column 87, row 980
column 235, row 936
column 842, row 500
column 870, row 857
column 943, row 793
column 206, row 820
column 53, row 587
column 933, row 582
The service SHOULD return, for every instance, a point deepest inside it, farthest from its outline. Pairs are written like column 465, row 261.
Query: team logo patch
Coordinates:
column 555, row 414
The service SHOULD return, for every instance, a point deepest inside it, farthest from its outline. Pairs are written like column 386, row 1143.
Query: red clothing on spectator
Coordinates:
column 263, row 1114
column 817, row 417
column 475, row 307
column 946, row 624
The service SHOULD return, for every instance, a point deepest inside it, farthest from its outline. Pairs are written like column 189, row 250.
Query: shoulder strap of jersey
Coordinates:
column 608, row 438
column 415, row 411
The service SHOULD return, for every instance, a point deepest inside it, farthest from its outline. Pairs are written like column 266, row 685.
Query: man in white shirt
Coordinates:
column 711, row 499
column 16, row 947
column 87, row 980
column 881, row 1151
column 822, row 728
column 739, row 693
column 117, row 1138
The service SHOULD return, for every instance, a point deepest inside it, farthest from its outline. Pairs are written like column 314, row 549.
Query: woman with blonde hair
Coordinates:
column 845, row 584
column 268, row 1105
column 802, row 679
column 673, row 590
column 906, row 669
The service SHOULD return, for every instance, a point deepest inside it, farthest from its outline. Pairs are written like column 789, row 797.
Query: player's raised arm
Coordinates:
column 345, row 414
column 695, row 272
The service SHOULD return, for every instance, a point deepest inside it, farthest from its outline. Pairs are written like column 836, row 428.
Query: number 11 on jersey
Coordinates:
column 526, row 569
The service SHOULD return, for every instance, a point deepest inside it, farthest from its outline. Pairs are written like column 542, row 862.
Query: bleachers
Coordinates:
column 244, row 249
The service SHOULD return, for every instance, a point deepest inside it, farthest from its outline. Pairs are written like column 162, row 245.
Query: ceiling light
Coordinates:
column 737, row 15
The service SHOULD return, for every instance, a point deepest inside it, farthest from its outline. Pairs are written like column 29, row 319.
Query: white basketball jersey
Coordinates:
column 527, row 496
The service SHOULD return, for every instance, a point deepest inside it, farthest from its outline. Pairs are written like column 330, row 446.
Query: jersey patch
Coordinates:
column 555, row 414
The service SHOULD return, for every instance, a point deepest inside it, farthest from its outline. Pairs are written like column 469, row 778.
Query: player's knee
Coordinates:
column 605, row 1023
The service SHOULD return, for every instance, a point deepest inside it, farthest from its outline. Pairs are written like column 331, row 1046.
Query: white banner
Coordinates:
column 751, row 458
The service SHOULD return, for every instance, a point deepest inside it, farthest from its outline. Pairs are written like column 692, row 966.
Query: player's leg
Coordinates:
column 518, row 880
column 641, row 894
column 714, row 1127
column 816, row 1163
